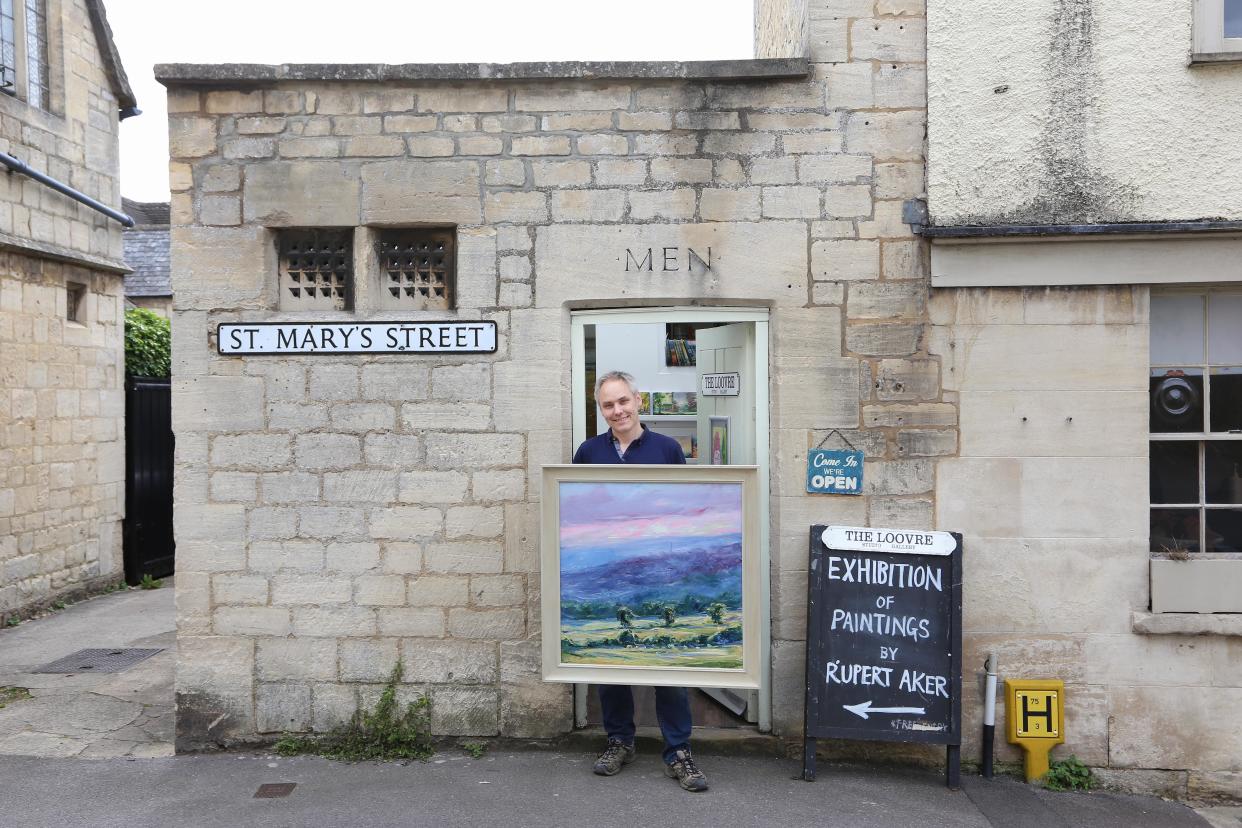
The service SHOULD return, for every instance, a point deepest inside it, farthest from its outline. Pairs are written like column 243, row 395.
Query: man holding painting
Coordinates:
column 629, row 441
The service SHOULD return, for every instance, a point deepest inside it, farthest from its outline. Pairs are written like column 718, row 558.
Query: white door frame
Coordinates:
column 759, row 316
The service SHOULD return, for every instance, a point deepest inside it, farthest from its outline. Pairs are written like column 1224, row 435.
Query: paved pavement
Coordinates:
column 123, row 721
column 92, row 715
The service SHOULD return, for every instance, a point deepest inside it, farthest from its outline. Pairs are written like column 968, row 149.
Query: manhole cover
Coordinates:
column 97, row 661
column 274, row 790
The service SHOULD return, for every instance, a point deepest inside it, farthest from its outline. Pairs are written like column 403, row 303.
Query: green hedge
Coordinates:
column 148, row 344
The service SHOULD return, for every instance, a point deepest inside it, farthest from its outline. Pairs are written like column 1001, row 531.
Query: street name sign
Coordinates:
column 884, row 639
column 281, row 338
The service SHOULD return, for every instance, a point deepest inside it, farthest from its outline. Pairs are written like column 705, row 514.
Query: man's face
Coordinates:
column 619, row 406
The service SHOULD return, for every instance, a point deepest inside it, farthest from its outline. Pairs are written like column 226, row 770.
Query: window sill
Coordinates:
column 1186, row 623
column 1209, row 58
column 1206, row 586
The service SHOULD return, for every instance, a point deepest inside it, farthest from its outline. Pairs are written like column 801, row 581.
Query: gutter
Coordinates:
column 16, row 165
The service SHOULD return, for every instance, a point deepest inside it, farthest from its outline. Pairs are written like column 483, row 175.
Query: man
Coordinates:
column 629, row 441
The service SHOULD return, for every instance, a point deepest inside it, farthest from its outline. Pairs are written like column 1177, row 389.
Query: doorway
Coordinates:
column 668, row 351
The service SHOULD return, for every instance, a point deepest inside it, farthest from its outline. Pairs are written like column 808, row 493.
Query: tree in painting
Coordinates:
column 651, row 574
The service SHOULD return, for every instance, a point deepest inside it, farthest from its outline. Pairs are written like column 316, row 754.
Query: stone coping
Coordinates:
column 1186, row 623
column 47, row 250
column 232, row 74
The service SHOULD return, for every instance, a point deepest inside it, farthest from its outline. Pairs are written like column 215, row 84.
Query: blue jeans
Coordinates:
column 616, row 702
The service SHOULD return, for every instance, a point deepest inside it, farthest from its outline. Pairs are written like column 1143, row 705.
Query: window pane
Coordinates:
column 1224, row 530
column 1176, row 329
column 1175, row 472
column 1233, row 18
column 1222, row 472
column 1225, row 328
column 1174, row 530
column 1176, row 400
column 1226, row 394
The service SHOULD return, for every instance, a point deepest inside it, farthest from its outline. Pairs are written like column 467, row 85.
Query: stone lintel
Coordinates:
column 230, row 75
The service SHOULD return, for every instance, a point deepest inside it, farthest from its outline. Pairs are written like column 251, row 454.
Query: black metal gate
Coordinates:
column 148, row 479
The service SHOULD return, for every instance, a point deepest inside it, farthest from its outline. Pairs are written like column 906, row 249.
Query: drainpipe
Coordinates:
column 17, row 166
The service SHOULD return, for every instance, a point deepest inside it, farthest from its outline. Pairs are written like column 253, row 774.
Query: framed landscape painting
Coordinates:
column 650, row 575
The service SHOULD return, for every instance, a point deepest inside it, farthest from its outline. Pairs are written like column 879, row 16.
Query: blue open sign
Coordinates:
column 834, row 471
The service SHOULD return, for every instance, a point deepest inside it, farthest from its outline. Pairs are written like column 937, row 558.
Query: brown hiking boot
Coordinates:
column 617, row 755
column 686, row 772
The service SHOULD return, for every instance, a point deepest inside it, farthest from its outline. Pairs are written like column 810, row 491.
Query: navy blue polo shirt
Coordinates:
column 650, row 447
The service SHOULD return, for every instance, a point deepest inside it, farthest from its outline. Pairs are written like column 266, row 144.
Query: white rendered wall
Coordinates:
column 1071, row 110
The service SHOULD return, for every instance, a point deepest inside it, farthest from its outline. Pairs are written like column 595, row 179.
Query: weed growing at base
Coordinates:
column 1068, row 775
column 9, row 695
column 385, row 733
column 150, row 583
column 475, row 749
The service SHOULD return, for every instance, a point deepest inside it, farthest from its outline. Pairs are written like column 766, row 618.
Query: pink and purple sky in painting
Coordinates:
column 627, row 518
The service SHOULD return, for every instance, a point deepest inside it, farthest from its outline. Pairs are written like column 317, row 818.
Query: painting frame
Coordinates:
column 555, row 669
column 718, row 426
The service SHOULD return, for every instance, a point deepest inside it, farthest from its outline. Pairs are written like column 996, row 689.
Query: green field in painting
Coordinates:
column 654, row 645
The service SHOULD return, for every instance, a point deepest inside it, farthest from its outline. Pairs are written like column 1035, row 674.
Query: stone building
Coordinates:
column 146, row 254
column 338, row 512
column 61, row 334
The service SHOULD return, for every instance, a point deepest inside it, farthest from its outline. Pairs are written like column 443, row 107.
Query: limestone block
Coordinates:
column 516, row 208
column 331, row 522
column 1179, row 727
column 437, row 591
column 235, row 487
column 1064, row 423
column 316, row 452
column 432, row 487
column 805, row 337
column 237, row 589
column 900, row 86
column 887, row 300
column 283, row 416
column 438, row 662
column 527, row 386
column 926, row 442
column 576, row 121
column 462, row 382
column 843, row 259
column 850, row 85
column 899, row 180
column 819, row 142
column 886, row 39
column 900, row 512
column 403, row 558
column 588, row 205
column 559, row 97
column 389, row 450
column 219, row 210
column 302, row 194
column 408, row 621
column 791, row 202
column 282, row 380
column 888, row 222
column 905, row 260
column 1062, row 497
column 907, row 379
column 289, row 487
column 480, row 145
column 980, row 495
column 462, row 98
column 271, row 556
column 788, row 687
column 1103, row 305
column 473, row 522
column 657, row 144
column 332, row 705
column 510, row 123
column 498, row 590
column 395, row 381
column 883, row 340
column 191, row 137
column 662, row 204
column 773, row 171
column 405, row 522
column 378, row 146
column 428, row 146
column 331, row 381
column 1213, row 785
column 789, row 595
column 334, row 622
column 644, row 121
column 496, row 486
column 464, row 556
column 273, row 621
column 453, row 451
column 363, row 417
column 493, row 624
column 535, row 710
column 295, row 659
column 681, row 170
column 796, row 515
column 351, row 556
column 899, row 477
column 820, row 396
column 586, row 262
column 505, row 173
column 838, row 168
column 539, row 145
column 271, row 523
column 560, row 173
column 848, row 201
column 215, row 267
column 218, row 672
column 924, row 414
column 465, row 711
column 476, row 269
column 515, row 268
column 215, row 403
column 888, row 136
column 718, row 204
column 367, row 660
column 263, row 147
column 413, row 191
column 603, row 145
column 379, row 591
column 1122, row 659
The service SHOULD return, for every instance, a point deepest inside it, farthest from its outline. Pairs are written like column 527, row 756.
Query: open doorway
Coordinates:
column 669, row 351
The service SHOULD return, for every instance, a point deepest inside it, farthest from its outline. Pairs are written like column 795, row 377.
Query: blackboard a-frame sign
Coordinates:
column 884, row 639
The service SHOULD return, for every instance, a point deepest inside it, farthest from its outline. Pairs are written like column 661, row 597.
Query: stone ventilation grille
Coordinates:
column 316, row 270
column 418, row 268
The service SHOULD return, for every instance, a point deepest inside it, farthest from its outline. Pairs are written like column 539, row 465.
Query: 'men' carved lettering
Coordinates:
column 670, row 259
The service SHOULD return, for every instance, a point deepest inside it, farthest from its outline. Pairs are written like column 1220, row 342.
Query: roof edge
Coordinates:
column 254, row 74
column 111, row 57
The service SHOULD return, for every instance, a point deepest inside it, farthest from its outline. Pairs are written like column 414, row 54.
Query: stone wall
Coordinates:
column 61, row 403
column 62, row 489
column 334, row 515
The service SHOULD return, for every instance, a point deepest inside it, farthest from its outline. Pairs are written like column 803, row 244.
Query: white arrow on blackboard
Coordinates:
column 862, row 709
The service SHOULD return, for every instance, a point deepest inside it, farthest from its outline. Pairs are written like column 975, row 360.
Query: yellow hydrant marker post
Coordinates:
column 1035, row 720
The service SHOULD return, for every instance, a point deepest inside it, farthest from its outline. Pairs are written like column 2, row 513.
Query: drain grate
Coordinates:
column 98, row 661
column 275, row 790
